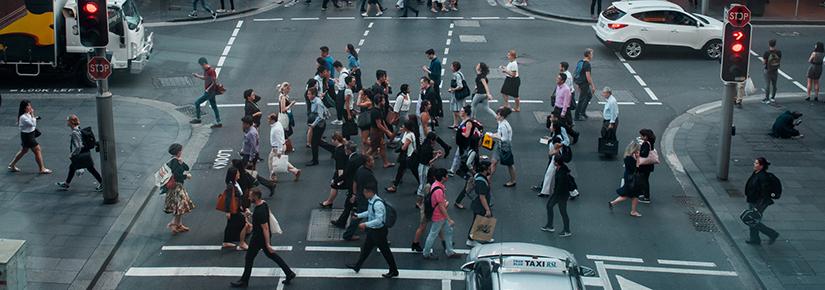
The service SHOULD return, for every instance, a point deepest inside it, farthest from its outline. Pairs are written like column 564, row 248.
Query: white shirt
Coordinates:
column 505, row 131
column 353, row 100
column 27, row 123
column 513, row 67
column 569, row 82
column 611, row 109
column 409, row 136
column 402, row 104
column 277, row 138
column 340, row 83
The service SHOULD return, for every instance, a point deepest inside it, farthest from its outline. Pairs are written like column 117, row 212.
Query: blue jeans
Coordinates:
column 436, row 227
column 204, row 5
column 207, row 97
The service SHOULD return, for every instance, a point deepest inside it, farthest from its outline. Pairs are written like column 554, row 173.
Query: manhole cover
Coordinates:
column 467, row 23
column 472, row 38
column 172, row 82
column 189, row 110
column 702, row 222
column 319, row 227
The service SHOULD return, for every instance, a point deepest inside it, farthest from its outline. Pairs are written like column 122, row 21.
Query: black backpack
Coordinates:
column 566, row 153
column 477, row 133
column 88, row 138
column 429, row 209
column 390, row 215
column 774, row 185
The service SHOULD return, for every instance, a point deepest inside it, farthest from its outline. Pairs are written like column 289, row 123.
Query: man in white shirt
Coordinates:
column 340, row 86
column 610, row 114
column 564, row 68
column 277, row 139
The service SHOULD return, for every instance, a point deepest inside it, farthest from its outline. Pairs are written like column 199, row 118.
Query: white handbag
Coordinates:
column 750, row 88
column 278, row 164
column 274, row 226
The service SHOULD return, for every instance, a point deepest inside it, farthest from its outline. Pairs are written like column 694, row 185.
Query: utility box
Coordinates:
column 12, row 264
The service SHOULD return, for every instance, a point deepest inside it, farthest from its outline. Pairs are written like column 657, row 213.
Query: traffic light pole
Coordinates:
column 727, row 131
column 106, row 133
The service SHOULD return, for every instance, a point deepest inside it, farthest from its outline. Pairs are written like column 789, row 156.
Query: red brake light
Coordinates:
column 737, row 47
column 90, row 7
column 616, row 25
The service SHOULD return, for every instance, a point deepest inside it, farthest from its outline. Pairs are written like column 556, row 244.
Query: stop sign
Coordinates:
column 99, row 68
column 738, row 15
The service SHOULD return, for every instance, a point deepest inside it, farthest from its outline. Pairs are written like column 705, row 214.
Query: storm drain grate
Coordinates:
column 189, row 110
column 172, row 82
column 319, row 227
column 702, row 222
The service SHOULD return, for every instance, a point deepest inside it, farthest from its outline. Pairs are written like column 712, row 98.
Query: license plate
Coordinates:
column 601, row 24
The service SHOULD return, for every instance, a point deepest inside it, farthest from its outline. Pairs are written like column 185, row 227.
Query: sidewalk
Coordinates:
column 71, row 234
column 178, row 10
column 797, row 260
column 781, row 12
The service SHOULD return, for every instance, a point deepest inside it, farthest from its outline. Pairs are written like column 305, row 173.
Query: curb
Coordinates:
column 220, row 15
column 556, row 16
column 685, row 171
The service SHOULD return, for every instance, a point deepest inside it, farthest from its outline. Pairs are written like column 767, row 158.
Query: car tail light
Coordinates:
column 616, row 25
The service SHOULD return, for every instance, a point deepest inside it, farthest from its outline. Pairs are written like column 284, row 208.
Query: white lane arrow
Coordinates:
column 626, row 284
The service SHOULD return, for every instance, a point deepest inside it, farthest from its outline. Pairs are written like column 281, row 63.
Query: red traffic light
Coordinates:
column 90, row 7
column 737, row 47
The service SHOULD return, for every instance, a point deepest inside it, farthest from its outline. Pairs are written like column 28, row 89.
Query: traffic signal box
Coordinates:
column 735, row 58
column 93, row 22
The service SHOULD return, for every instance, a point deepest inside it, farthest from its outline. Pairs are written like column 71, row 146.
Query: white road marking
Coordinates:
column 670, row 270
column 414, row 18
column 686, row 263
column 358, row 249
column 653, row 103
column 446, row 50
column 446, row 285
column 378, row 17
column 449, row 40
column 626, row 284
column 221, row 60
column 492, row 2
column 235, row 32
column 485, row 18
column 301, row 272
column 361, row 42
column 238, row 25
column 226, row 50
column 449, row 18
column 450, row 33
column 267, row 19
column 618, row 103
column 620, row 57
column 630, row 69
column 280, row 285
column 639, row 79
column 304, row 18
column 226, row 105
column 800, row 86
column 602, row 275
column 211, row 248
column 472, row 38
column 452, row 25
column 615, row 259
column 366, row 32
column 443, row 62
column 341, row 18
column 786, row 76
column 370, row 25
column 217, row 73
column 651, row 94
column 231, row 41
column 593, row 281
column 521, row 18
column 754, row 53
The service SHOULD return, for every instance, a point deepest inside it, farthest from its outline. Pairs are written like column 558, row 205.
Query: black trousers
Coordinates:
column 644, row 188
column 405, row 163
column 585, row 94
column 252, row 252
column 360, row 206
column 770, row 81
column 561, row 201
column 348, row 207
column 594, row 4
column 339, row 106
column 234, row 226
column 377, row 238
column 607, row 132
column 91, row 169
column 324, row 5
column 409, row 5
column 760, row 227
column 317, row 133
column 231, row 4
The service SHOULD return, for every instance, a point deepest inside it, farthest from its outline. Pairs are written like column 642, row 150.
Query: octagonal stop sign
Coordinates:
column 738, row 15
column 99, row 68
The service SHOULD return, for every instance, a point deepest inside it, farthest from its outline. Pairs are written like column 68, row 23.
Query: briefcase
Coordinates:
column 608, row 146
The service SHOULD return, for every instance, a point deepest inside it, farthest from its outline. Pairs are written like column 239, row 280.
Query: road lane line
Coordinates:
column 449, row 40
column 450, row 33
column 378, row 17
column 619, row 56
column 593, row 281
column 639, row 79
column 449, row 18
column 618, row 103
column 446, row 50
column 521, row 18
column 226, row 50
column 231, row 41
column 754, row 53
column 651, row 94
column 804, row 89
column 653, row 103
column 341, row 18
column 303, row 18
column 443, row 62
column 366, row 32
column 615, row 259
column 221, row 60
column 217, row 73
column 786, row 76
column 238, row 25
column 302, row 272
column 603, row 275
column 361, row 42
column 280, row 285
column 686, row 263
column 452, row 25
column 445, row 285
column 267, row 19
column 358, row 249
column 211, row 248
column 370, row 25
column 630, row 69
column 670, row 270
column 235, row 32
column 486, row 18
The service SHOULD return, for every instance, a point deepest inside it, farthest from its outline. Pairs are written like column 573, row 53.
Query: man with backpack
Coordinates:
column 378, row 217
column 435, row 209
column 771, row 59
column 583, row 79
column 761, row 189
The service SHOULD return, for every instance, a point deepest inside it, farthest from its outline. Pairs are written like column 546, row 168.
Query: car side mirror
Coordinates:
column 468, row 267
column 587, row 271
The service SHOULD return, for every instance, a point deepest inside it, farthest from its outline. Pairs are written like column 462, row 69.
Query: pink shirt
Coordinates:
column 562, row 98
column 438, row 197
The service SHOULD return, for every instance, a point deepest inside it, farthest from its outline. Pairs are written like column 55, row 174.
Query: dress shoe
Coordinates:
column 239, row 284
column 337, row 225
column 390, row 274
column 289, row 278
column 353, row 267
column 773, row 239
column 312, row 163
column 353, row 238
column 752, row 242
column 416, row 247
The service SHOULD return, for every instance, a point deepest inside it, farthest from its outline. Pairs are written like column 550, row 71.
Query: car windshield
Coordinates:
column 613, row 13
column 701, row 18
column 132, row 14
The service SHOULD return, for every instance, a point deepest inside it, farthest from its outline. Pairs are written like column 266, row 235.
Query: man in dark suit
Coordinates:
column 260, row 241
column 354, row 161
column 363, row 175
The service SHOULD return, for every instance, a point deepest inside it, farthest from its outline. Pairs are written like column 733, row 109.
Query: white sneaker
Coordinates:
column 220, row 10
column 364, row 14
column 337, row 122
column 379, row 13
column 471, row 243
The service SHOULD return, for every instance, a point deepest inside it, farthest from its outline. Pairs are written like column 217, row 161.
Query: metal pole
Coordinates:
column 106, row 131
column 705, row 4
column 727, row 128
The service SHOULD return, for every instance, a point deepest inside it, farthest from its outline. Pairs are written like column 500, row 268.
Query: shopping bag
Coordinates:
column 483, row 228
column 274, row 226
column 278, row 164
column 750, row 88
column 487, row 142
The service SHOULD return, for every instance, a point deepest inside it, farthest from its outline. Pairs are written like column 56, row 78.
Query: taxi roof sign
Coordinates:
column 534, row 265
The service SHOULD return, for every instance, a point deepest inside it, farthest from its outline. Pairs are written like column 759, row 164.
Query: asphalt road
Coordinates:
column 282, row 44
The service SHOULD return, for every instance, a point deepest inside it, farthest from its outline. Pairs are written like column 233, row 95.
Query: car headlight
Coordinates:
column 134, row 50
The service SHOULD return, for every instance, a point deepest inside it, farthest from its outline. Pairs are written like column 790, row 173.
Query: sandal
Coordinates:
column 183, row 228
column 46, row 171
column 636, row 214
column 510, row 184
column 389, row 165
column 391, row 189
column 459, row 206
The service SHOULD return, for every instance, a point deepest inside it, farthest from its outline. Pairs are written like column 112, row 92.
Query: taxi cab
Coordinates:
column 520, row 266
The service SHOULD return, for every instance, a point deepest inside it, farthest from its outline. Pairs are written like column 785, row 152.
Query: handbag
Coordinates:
column 487, row 142
column 750, row 88
column 219, row 88
column 164, row 178
column 464, row 92
column 363, row 119
column 651, row 159
column 37, row 133
column 392, row 117
column 221, row 205
column 279, row 164
column 288, row 146
column 750, row 217
column 349, row 128
column 274, row 226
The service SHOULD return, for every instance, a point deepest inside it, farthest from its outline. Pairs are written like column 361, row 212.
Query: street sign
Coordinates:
column 738, row 15
column 99, row 68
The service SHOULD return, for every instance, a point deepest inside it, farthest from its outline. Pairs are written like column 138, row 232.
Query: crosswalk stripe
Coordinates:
column 615, row 259
column 670, row 270
column 686, row 263
column 211, row 248
column 358, row 249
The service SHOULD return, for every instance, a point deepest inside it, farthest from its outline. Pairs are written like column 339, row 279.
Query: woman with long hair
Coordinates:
column 815, row 70
column 503, row 152
column 285, row 104
column 177, row 202
column 379, row 130
column 364, row 119
column 354, row 65
column 339, row 154
column 27, row 122
column 629, row 190
column 482, row 94
column 647, row 140
column 408, row 154
column 234, row 233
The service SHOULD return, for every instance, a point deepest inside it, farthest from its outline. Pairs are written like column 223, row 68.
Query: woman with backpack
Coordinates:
column 629, row 190
column 27, row 122
column 563, row 184
column 436, row 206
column 177, row 200
column 80, row 155
column 407, row 155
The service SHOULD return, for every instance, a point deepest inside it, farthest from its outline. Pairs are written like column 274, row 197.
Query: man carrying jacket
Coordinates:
column 758, row 193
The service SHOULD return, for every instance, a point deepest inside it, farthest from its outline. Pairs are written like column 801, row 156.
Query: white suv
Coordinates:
column 633, row 27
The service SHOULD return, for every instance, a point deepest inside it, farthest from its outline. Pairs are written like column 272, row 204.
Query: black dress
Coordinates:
column 628, row 190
